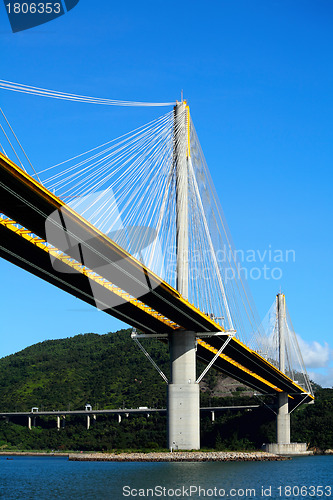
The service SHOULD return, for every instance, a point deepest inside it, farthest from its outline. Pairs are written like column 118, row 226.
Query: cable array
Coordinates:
column 118, row 185
column 55, row 94
column 227, row 294
column 127, row 189
column 8, row 136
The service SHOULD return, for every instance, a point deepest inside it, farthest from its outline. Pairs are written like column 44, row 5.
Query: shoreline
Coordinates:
column 163, row 456
column 175, row 456
column 178, row 456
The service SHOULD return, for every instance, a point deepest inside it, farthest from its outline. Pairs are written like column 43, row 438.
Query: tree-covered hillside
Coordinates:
column 108, row 371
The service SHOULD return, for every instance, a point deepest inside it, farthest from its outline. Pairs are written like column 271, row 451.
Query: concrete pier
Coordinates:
column 283, row 415
column 183, row 394
column 288, row 449
column 283, row 420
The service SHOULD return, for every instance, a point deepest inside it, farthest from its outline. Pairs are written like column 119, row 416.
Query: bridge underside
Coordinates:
column 158, row 309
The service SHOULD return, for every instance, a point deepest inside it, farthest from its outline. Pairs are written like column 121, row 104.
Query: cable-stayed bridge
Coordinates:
column 135, row 227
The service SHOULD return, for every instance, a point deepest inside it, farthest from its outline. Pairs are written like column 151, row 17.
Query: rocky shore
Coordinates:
column 191, row 456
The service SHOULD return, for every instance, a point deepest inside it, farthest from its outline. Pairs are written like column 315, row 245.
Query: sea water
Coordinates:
column 58, row 478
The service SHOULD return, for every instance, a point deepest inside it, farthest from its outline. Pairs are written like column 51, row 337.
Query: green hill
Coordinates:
column 109, row 371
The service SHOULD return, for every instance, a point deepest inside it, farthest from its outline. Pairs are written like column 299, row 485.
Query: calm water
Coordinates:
column 57, row 478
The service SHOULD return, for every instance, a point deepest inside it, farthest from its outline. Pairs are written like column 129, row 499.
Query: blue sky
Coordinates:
column 258, row 77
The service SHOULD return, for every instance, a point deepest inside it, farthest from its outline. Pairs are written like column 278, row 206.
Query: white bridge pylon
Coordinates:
column 280, row 344
column 283, row 351
column 183, row 392
column 183, row 407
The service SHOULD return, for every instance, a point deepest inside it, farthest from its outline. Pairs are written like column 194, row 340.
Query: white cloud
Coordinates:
column 323, row 379
column 315, row 355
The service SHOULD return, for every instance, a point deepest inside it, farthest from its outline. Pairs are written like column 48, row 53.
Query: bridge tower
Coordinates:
column 283, row 446
column 183, row 389
column 283, row 415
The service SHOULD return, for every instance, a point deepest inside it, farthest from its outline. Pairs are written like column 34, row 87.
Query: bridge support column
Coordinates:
column 58, row 422
column 29, row 423
column 283, row 416
column 183, row 393
column 283, row 420
column 88, row 422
